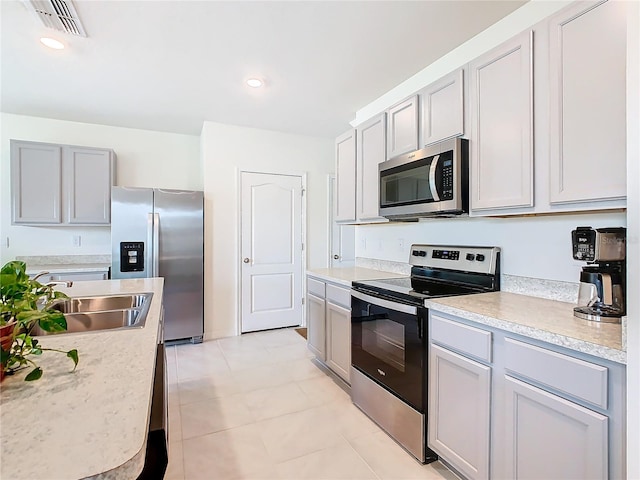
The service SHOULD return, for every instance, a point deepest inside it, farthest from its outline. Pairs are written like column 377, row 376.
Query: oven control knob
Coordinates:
column 480, row 257
column 422, row 253
column 415, row 253
column 471, row 257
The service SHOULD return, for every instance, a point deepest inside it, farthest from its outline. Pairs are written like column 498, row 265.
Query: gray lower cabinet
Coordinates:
column 316, row 323
column 329, row 325
column 506, row 406
column 459, row 407
column 551, row 437
column 339, row 339
column 61, row 184
column 460, row 395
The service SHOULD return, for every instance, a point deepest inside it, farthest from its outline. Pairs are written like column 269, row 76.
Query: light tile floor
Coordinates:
column 258, row 407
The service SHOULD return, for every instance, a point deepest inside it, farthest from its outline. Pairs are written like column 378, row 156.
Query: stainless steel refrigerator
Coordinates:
column 160, row 233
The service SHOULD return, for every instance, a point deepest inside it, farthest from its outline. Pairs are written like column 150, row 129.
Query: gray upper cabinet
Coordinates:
column 501, row 117
column 371, row 152
column 89, row 177
column 36, row 183
column 587, row 103
column 443, row 108
column 61, row 184
column 345, row 194
column 402, row 127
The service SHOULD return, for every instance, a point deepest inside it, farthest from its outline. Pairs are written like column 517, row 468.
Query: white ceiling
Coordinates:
column 170, row 65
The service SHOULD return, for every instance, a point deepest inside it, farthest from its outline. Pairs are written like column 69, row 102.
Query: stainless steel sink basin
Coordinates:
column 90, row 321
column 101, row 304
column 88, row 314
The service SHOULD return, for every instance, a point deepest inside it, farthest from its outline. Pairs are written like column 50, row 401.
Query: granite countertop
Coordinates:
column 67, row 268
column 92, row 423
column 546, row 320
column 346, row 275
column 66, row 263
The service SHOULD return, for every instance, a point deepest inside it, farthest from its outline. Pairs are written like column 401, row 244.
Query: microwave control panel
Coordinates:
column 447, row 175
column 131, row 256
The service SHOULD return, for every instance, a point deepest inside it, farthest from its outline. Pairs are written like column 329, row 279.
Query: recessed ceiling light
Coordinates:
column 52, row 43
column 255, row 82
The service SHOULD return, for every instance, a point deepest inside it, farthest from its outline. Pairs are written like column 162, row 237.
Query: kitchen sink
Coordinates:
column 100, row 304
column 89, row 314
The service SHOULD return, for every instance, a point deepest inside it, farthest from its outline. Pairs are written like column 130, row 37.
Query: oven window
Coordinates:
column 406, row 184
column 384, row 340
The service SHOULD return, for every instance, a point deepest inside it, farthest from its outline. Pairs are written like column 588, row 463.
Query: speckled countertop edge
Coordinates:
column 93, row 422
column 546, row 320
column 346, row 275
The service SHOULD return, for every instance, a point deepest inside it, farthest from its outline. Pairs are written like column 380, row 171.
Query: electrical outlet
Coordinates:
column 76, row 240
column 363, row 243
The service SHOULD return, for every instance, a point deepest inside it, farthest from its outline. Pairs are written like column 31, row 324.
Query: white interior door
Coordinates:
column 271, row 252
column 342, row 238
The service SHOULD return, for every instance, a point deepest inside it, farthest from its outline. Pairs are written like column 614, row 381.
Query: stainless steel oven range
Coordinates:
column 389, row 335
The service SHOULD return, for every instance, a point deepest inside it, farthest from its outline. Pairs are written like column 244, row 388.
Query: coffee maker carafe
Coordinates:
column 602, row 292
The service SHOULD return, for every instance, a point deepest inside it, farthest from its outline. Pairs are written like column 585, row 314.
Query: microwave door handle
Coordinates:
column 432, row 178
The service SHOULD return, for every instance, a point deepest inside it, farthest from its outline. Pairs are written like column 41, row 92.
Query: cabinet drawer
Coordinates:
column 463, row 338
column 315, row 287
column 581, row 379
column 339, row 295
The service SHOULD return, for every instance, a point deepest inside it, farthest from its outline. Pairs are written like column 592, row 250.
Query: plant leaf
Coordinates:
column 73, row 355
column 34, row 374
column 54, row 321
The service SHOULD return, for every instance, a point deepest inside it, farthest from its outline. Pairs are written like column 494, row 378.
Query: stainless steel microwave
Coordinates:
column 428, row 182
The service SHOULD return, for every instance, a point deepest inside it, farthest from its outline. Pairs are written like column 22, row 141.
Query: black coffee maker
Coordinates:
column 602, row 291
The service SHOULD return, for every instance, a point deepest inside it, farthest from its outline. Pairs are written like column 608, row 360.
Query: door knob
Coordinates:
column 246, row 260
column 336, row 257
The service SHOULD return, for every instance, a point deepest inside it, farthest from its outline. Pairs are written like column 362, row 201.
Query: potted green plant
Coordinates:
column 25, row 303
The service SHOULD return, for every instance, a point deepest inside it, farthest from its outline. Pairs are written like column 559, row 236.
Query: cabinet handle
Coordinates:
column 336, row 257
column 246, row 260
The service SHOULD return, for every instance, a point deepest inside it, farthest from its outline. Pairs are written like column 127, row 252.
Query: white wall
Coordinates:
column 145, row 159
column 524, row 17
column 226, row 150
column 633, row 240
column 536, row 247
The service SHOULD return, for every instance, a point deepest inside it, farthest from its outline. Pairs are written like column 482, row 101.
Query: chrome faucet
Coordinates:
column 66, row 283
column 39, row 275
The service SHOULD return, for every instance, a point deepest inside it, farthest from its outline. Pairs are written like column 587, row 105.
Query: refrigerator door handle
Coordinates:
column 150, row 244
column 156, row 244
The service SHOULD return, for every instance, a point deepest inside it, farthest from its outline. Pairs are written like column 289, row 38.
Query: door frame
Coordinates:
column 238, row 247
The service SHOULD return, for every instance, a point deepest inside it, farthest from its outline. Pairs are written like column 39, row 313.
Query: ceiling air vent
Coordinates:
column 57, row 14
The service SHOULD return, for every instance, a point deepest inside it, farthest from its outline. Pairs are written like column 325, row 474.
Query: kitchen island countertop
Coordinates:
column 92, row 423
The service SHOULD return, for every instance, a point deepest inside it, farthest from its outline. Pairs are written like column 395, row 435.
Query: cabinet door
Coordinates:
column 36, row 183
column 89, row 180
column 371, row 152
column 345, row 201
column 402, row 131
column 342, row 237
column 459, row 411
column 443, row 108
column 316, row 326
column 339, row 340
column 501, row 145
column 550, row 437
column 587, row 103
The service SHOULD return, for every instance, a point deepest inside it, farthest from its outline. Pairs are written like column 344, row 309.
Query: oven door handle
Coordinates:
column 399, row 307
